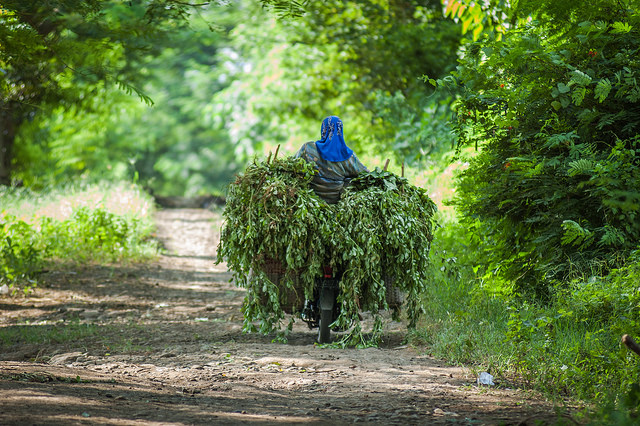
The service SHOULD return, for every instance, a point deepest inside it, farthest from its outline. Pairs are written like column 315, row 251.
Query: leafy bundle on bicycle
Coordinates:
column 379, row 232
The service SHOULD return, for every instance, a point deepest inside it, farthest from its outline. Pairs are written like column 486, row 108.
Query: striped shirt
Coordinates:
column 332, row 176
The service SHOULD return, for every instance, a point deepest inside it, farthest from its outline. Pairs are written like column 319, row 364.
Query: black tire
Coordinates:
column 324, row 332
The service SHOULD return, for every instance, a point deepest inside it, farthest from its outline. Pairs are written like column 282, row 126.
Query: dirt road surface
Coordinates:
column 162, row 344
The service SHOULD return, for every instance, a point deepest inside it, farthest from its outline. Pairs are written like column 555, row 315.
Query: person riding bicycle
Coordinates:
column 335, row 161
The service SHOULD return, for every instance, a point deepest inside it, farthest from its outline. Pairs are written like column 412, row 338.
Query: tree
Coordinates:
column 58, row 52
column 553, row 110
column 360, row 60
column 172, row 147
column 63, row 52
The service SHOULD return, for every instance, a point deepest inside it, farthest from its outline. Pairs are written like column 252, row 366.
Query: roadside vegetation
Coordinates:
column 537, row 280
column 97, row 223
column 569, row 348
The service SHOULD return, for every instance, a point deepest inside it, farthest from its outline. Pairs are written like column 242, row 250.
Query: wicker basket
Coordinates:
column 395, row 297
column 291, row 299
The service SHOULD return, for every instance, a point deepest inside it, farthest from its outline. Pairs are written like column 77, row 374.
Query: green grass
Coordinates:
column 100, row 223
column 46, row 334
column 109, row 339
column 567, row 348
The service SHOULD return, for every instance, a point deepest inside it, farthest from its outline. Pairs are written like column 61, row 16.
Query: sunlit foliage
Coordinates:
column 555, row 116
column 98, row 223
column 380, row 230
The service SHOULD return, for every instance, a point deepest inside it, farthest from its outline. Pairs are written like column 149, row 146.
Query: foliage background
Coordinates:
column 233, row 81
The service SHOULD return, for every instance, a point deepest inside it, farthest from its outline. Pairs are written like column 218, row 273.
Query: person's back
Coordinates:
column 335, row 161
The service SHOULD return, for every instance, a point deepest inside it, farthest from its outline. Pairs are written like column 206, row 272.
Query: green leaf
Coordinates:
column 621, row 27
column 582, row 166
column 602, row 89
column 575, row 235
column 578, row 95
column 580, row 78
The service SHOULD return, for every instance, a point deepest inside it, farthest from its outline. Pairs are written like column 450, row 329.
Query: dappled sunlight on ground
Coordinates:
column 162, row 343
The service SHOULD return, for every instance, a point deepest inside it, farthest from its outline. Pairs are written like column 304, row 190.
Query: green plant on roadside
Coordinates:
column 95, row 234
column 577, row 337
column 21, row 253
column 462, row 323
column 89, row 233
column 549, row 205
column 553, row 191
column 568, row 348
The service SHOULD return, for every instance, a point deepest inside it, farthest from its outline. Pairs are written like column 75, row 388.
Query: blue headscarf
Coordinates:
column 331, row 144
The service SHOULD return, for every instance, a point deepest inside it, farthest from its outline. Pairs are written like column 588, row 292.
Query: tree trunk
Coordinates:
column 8, row 126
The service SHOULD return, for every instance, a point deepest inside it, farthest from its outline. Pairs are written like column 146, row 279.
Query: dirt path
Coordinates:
column 162, row 344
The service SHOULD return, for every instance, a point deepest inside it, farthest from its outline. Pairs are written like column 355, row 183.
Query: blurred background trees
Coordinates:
column 62, row 55
column 180, row 97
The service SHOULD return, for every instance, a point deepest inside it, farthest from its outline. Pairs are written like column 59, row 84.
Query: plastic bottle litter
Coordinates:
column 485, row 379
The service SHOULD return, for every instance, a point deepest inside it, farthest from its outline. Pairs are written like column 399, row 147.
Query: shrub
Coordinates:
column 90, row 232
column 554, row 190
column 21, row 252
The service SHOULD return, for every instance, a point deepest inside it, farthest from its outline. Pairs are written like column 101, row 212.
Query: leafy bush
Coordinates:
column 382, row 226
column 569, row 347
column 95, row 234
column 553, row 191
column 21, row 254
column 609, row 299
column 551, row 199
column 90, row 233
column 577, row 338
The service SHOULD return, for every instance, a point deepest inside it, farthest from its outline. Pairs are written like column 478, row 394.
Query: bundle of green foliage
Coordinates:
column 554, row 192
column 271, row 214
column 386, row 228
column 379, row 232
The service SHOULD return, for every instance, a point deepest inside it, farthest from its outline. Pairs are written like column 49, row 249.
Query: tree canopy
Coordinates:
column 224, row 81
column 64, row 52
column 69, row 54
column 353, row 59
